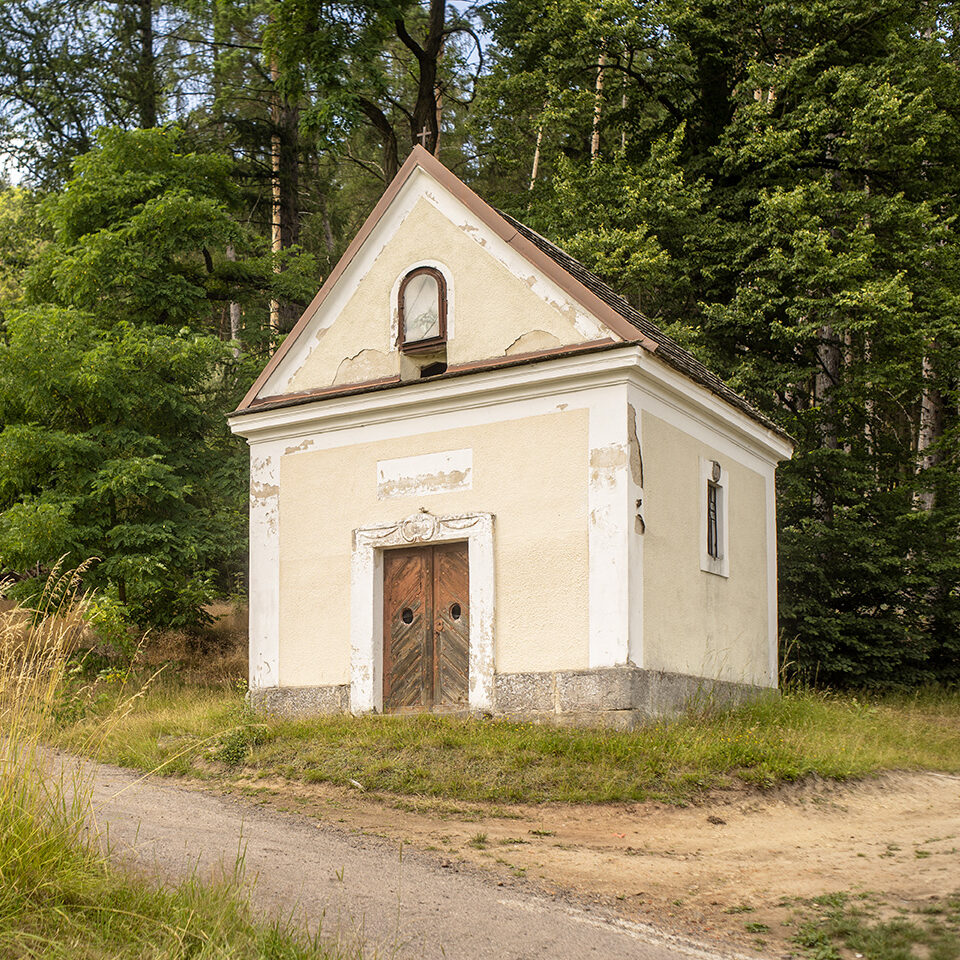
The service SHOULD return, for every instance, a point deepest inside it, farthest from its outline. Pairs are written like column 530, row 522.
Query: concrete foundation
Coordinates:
column 621, row 697
column 301, row 701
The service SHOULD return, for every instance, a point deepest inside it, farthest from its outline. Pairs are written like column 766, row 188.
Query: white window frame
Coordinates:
column 720, row 566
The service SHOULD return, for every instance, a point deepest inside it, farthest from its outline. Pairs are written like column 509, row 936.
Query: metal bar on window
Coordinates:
column 713, row 545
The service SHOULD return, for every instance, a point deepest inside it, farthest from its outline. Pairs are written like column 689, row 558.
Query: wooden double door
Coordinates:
column 426, row 628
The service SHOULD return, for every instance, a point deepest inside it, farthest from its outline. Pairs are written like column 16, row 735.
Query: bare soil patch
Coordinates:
column 739, row 867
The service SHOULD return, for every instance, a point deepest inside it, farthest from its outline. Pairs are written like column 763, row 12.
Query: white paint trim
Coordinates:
column 636, row 512
column 659, row 384
column 716, row 565
column 366, row 600
column 607, row 528
column 264, row 569
column 773, row 626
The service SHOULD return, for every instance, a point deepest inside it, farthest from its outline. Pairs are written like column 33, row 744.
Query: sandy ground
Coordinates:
column 710, row 870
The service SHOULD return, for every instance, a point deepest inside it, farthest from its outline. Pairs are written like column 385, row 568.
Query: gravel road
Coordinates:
column 359, row 889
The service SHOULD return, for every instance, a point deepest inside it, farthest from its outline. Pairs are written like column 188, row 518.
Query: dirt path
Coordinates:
column 720, row 870
column 357, row 887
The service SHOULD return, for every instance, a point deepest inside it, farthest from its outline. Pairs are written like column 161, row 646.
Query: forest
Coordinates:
column 775, row 184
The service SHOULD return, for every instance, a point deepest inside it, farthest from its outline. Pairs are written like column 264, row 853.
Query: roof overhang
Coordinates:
column 601, row 365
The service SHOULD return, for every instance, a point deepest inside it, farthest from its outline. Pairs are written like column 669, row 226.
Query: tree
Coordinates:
column 141, row 233
column 116, row 373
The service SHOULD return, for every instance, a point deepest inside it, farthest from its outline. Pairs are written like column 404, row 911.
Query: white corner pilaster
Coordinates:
column 636, row 525
column 366, row 600
column 773, row 626
column 264, row 570
column 609, row 519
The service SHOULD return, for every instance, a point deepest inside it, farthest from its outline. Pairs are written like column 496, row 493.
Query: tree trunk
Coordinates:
column 234, row 307
column 825, row 382
column 285, row 207
column 931, row 429
column 424, row 119
column 597, row 108
column 828, row 376
column 536, row 157
column 146, row 66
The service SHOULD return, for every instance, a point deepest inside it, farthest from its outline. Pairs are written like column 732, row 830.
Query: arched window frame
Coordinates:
column 415, row 346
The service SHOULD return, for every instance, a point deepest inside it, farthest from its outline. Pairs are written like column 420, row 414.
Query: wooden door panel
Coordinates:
column 451, row 585
column 426, row 629
column 407, row 626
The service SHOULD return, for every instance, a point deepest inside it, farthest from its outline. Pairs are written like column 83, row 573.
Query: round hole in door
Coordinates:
column 455, row 611
column 407, row 615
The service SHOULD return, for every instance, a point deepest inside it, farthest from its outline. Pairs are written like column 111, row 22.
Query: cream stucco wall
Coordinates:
column 531, row 473
column 492, row 311
column 697, row 622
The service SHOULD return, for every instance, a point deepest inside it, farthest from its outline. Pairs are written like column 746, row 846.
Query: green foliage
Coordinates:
column 113, row 447
column 141, row 234
column 844, row 924
column 115, row 376
column 110, row 622
column 21, row 240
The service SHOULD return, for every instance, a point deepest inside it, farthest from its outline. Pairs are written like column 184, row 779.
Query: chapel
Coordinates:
column 481, row 481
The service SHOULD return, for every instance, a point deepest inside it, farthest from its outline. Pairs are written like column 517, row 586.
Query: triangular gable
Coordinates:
column 597, row 321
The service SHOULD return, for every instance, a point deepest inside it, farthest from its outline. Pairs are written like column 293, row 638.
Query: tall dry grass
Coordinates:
column 60, row 897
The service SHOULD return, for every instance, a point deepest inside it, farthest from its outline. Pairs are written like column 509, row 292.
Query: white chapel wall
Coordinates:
column 529, row 472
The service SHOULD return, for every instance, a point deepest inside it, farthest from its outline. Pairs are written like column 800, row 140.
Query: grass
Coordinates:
column 60, row 897
column 865, row 927
column 206, row 731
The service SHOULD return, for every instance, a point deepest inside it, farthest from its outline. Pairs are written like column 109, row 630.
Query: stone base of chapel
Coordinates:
column 620, row 697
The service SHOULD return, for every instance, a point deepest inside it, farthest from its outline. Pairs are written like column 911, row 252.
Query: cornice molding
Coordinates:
column 628, row 364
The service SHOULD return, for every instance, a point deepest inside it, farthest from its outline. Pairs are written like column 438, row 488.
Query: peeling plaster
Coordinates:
column 364, row 365
column 531, row 342
column 636, row 456
column 307, row 444
column 473, row 231
column 261, row 493
column 426, row 483
column 606, row 464
column 440, row 472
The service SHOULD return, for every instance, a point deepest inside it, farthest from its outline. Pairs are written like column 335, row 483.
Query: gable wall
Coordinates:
column 498, row 304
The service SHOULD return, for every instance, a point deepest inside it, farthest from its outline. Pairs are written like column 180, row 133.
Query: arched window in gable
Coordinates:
column 423, row 310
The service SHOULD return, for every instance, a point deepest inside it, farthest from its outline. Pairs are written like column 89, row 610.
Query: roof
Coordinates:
column 667, row 349
column 570, row 275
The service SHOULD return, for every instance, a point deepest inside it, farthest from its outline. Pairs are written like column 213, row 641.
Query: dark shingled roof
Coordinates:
column 667, row 350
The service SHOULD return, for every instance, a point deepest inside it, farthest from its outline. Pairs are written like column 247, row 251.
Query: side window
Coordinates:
column 423, row 310
column 714, row 497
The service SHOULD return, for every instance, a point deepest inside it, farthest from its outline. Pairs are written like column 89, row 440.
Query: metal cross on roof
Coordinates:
column 423, row 135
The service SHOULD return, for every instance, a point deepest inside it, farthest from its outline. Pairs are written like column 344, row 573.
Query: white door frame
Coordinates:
column 366, row 600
